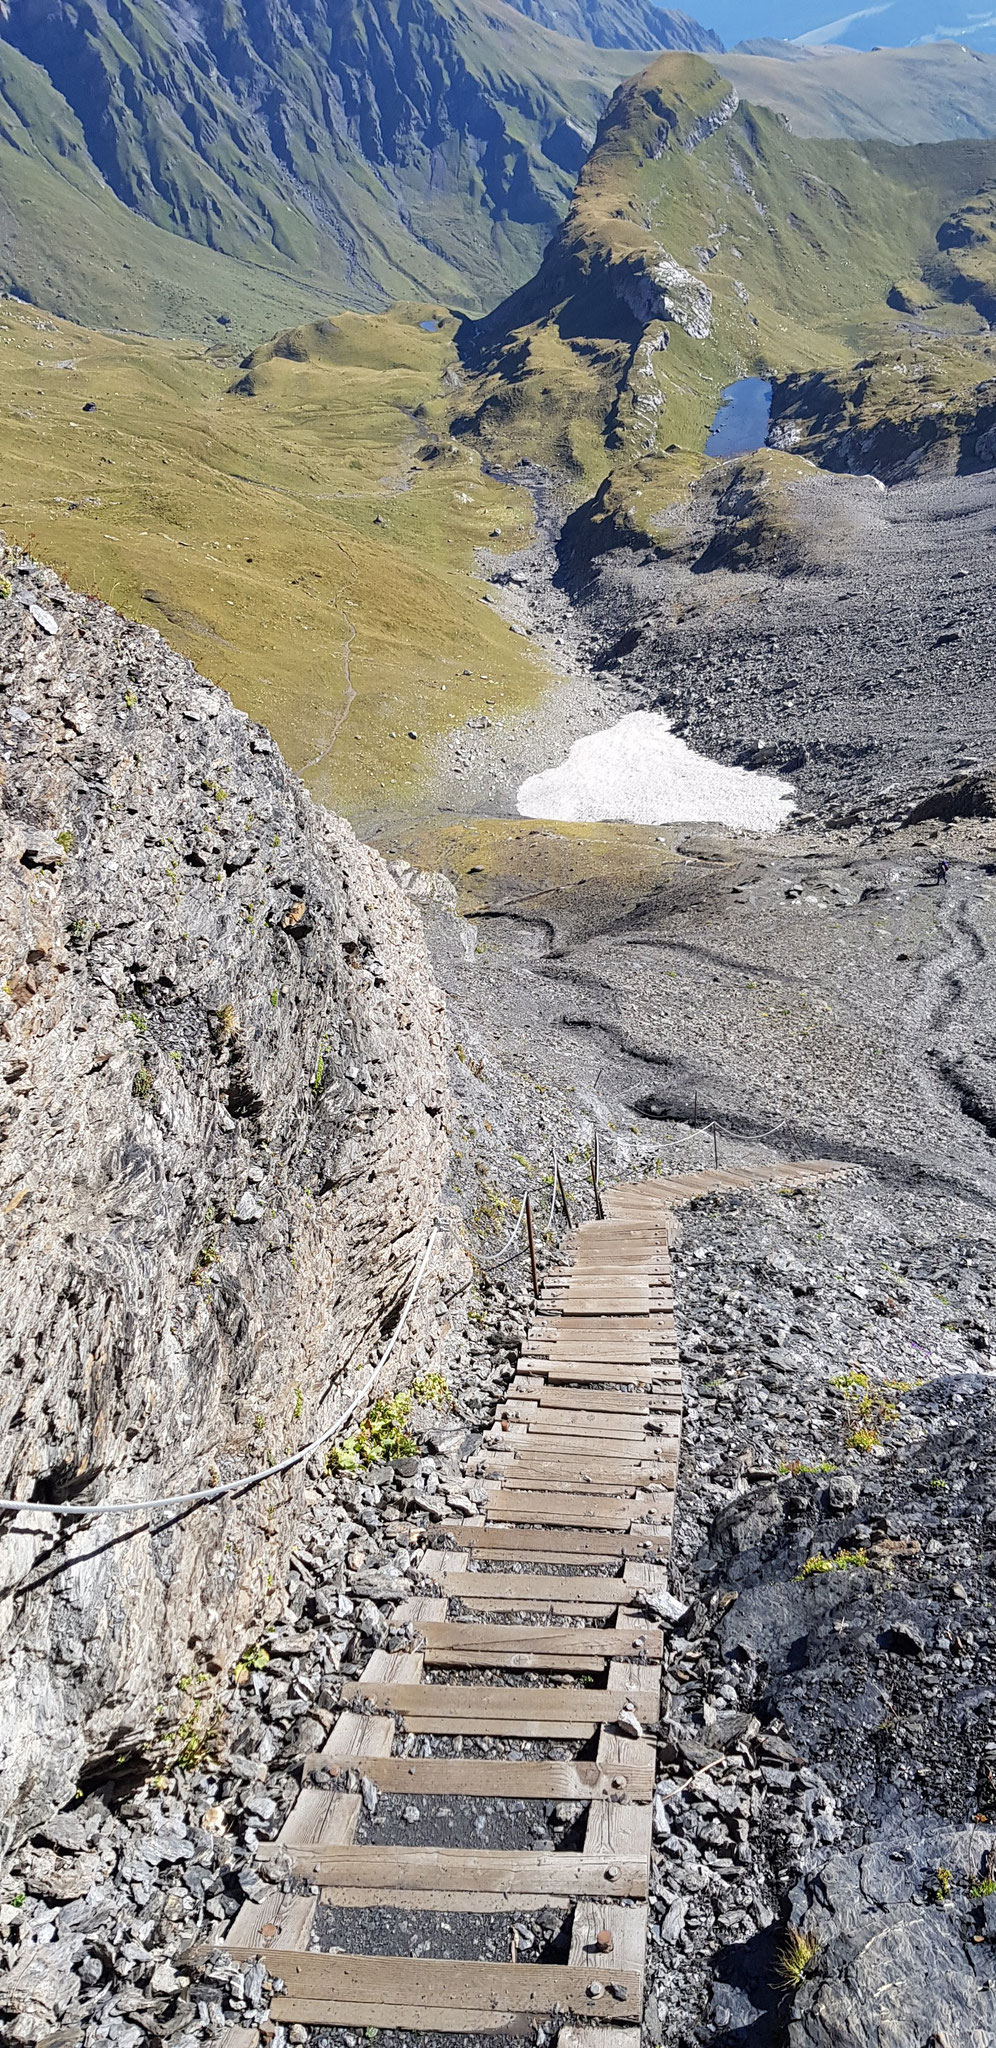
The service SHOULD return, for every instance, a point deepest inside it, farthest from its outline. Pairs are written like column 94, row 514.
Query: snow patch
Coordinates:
column 639, row 773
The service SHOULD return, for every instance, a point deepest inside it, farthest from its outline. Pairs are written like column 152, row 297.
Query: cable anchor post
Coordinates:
column 532, row 1244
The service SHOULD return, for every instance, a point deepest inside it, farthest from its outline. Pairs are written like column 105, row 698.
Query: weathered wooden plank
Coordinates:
column 535, row 1590
column 460, row 2021
column 483, row 1778
column 597, row 1400
column 409, row 1613
column 543, row 1475
column 626, row 1928
column 277, row 1920
column 627, row 1759
column 321, row 1816
column 505, row 1709
column 404, row 1665
column 618, row 1831
column 598, row 2037
column 508, row 1640
column 401, row 1983
column 608, row 1547
column 573, row 1511
column 359, row 1735
column 629, row 1429
column 490, row 1876
column 618, row 1452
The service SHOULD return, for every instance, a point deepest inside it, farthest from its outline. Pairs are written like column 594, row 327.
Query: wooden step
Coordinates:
column 537, row 1712
column 485, row 1778
column 464, row 1997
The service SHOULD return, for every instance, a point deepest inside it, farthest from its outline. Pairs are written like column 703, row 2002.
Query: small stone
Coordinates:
column 213, row 1819
column 603, row 1941
column 628, row 1724
column 164, row 1980
column 958, row 1591
column 411, row 1814
column 43, row 618
column 618, row 1992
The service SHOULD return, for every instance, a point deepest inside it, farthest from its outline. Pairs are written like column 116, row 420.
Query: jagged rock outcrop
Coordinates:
column 222, row 1141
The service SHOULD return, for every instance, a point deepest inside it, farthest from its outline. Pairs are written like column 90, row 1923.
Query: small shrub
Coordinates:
column 433, row 1389
column 143, row 1087
column 255, row 1658
column 864, row 1438
column 226, row 1023
column 842, row 1561
column 207, row 1256
column 65, row 840
column 131, row 699
column 945, row 1880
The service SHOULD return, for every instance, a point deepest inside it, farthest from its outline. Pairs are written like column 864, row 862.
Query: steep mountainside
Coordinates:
column 621, row 24
column 360, row 152
column 706, row 241
column 927, row 94
column 224, row 1092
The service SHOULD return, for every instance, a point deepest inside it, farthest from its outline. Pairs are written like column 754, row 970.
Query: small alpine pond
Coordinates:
column 742, row 418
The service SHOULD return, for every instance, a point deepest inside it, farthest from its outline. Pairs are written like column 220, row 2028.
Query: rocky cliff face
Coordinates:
column 221, row 1147
column 428, row 149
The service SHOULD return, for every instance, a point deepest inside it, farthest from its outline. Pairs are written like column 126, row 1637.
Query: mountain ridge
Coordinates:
column 371, row 155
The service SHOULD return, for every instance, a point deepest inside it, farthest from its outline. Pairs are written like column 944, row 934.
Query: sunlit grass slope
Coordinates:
column 706, row 242
column 311, row 548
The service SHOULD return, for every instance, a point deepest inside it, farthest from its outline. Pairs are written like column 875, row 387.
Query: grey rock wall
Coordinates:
column 222, row 1109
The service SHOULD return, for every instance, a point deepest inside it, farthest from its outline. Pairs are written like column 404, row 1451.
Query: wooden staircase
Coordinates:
column 548, row 1581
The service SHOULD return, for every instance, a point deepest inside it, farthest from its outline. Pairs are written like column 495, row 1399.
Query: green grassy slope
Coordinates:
column 939, row 92
column 705, row 241
column 311, row 548
column 69, row 245
column 361, row 151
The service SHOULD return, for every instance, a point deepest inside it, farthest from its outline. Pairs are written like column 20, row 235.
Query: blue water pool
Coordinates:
column 742, row 418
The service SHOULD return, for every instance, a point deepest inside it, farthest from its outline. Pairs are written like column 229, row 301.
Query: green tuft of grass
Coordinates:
column 798, row 1951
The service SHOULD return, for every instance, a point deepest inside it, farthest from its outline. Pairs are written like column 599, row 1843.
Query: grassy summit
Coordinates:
column 705, row 241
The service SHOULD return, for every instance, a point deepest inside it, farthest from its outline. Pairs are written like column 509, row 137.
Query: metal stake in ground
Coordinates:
column 532, row 1242
column 715, row 1143
column 599, row 1211
column 563, row 1197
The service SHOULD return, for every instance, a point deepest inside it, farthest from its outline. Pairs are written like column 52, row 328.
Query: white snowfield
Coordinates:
column 638, row 773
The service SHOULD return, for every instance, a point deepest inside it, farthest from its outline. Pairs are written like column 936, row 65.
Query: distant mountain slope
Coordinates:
column 621, row 24
column 705, row 241
column 68, row 245
column 935, row 93
column 365, row 151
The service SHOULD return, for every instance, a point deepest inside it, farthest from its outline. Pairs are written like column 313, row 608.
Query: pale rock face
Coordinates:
column 222, row 1109
column 667, row 292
